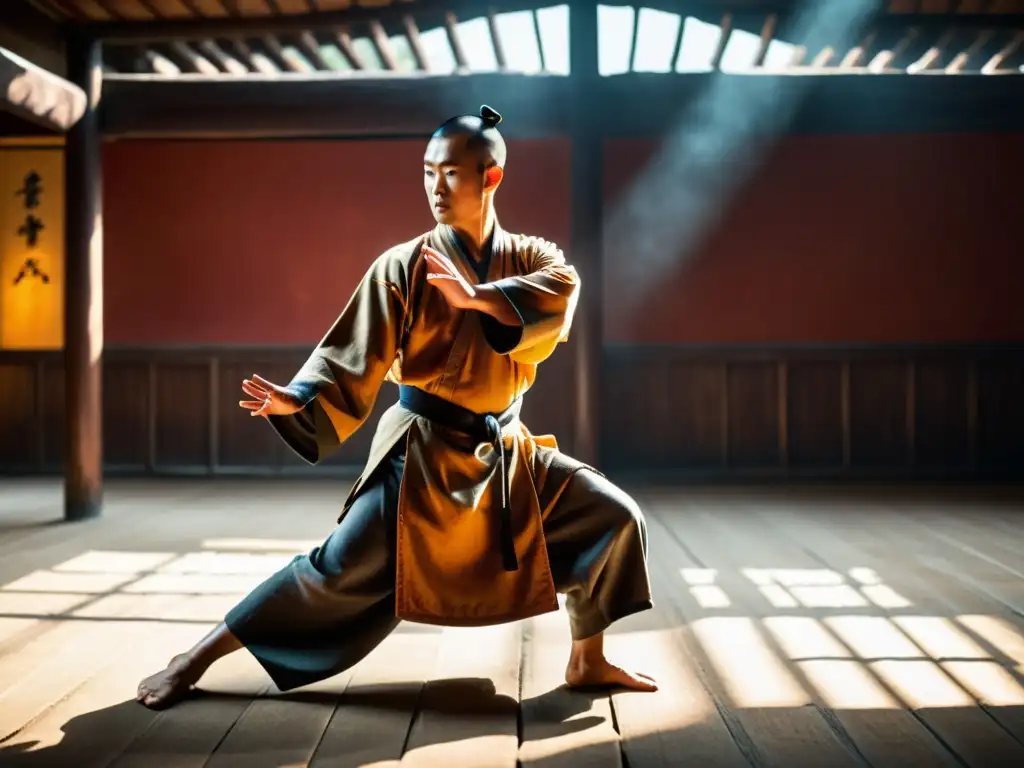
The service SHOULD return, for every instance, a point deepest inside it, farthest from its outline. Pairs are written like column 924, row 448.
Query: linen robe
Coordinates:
column 398, row 327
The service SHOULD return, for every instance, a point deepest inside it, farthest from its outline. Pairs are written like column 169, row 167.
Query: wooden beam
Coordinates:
column 824, row 56
column 317, row 105
column 767, row 35
column 249, row 26
column 499, row 47
column 412, row 34
column 39, row 96
column 723, row 41
column 857, row 55
column 934, row 54
column 245, row 54
column 83, row 292
column 344, row 41
column 307, row 44
column 963, row 58
column 161, row 65
column 651, row 105
column 586, row 217
column 289, row 105
column 271, row 47
column 182, row 54
column 215, row 54
column 382, row 45
column 540, row 42
column 992, row 65
column 450, row 25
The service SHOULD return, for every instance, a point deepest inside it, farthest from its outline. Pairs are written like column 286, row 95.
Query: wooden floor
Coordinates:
column 794, row 627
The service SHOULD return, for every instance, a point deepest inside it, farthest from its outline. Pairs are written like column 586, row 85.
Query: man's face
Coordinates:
column 453, row 181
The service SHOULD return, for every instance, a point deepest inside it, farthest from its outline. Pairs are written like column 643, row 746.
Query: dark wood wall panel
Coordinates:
column 52, row 415
column 814, row 409
column 125, row 412
column 698, row 402
column 695, row 412
column 649, row 401
column 721, row 412
column 18, row 414
column 878, row 414
column 1000, row 390
column 183, row 409
column 754, row 415
column 942, row 426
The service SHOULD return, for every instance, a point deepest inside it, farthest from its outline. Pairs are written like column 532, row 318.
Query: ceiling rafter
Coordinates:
column 943, row 37
column 412, row 34
column 382, row 45
column 235, row 22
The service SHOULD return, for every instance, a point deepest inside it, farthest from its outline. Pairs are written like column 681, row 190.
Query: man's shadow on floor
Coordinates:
column 473, row 704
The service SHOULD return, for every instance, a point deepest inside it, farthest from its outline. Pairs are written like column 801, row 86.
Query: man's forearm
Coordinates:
column 493, row 302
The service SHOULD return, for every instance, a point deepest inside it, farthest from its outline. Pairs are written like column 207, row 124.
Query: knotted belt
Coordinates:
column 484, row 427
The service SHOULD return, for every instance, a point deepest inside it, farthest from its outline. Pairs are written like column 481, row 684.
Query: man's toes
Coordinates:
column 637, row 682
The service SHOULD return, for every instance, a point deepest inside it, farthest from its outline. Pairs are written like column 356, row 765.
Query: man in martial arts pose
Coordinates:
column 461, row 517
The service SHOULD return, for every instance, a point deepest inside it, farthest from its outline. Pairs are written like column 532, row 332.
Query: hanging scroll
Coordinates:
column 31, row 244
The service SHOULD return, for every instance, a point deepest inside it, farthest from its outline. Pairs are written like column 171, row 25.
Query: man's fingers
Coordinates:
column 255, row 391
column 268, row 386
column 252, row 405
column 438, row 260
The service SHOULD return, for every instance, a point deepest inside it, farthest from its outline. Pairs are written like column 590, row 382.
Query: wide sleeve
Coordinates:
column 544, row 297
column 339, row 382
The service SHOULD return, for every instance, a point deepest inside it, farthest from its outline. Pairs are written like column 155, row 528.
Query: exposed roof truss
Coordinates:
column 388, row 38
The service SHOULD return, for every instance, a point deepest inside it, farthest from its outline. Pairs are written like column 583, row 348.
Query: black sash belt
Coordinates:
column 484, row 427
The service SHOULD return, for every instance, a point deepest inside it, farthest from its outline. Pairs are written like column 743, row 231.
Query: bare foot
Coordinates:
column 168, row 686
column 601, row 673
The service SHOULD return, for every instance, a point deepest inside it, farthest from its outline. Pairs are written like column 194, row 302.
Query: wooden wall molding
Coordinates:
column 695, row 412
column 809, row 410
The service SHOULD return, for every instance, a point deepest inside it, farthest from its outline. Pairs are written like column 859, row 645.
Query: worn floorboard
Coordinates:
column 818, row 626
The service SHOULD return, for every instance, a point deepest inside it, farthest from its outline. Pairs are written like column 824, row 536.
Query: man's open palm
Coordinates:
column 445, row 276
column 271, row 400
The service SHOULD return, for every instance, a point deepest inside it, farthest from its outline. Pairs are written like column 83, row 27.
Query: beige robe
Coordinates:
column 397, row 327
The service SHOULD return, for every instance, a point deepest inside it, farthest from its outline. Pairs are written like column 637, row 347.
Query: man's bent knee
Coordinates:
column 619, row 508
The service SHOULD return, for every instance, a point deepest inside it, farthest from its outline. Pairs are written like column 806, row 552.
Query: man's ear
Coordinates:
column 493, row 177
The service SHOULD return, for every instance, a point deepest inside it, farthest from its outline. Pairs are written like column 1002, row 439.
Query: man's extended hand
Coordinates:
column 459, row 293
column 271, row 400
column 445, row 276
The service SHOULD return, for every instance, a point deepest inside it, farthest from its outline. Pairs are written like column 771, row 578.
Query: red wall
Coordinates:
column 871, row 238
column 263, row 242
column 836, row 238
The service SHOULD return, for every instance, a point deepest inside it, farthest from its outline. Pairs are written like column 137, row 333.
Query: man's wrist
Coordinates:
column 490, row 300
column 480, row 299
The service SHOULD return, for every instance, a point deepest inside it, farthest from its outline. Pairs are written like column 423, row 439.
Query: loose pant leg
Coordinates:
column 597, row 545
column 326, row 610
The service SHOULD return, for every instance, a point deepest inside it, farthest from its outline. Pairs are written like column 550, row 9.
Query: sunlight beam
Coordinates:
column 713, row 148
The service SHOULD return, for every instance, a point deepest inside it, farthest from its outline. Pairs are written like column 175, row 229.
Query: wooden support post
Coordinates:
column 83, row 292
column 586, row 239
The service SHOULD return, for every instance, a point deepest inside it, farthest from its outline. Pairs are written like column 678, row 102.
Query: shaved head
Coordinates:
column 480, row 135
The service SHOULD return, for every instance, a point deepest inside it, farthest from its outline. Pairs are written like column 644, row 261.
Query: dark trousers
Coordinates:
column 326, row 610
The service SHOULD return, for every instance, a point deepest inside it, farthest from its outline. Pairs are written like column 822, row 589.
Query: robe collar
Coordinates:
column 493, row 255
